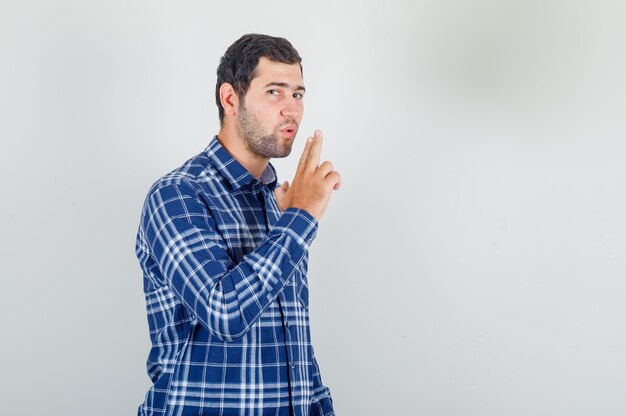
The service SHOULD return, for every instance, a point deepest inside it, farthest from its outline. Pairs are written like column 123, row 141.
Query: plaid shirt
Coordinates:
column 226, row 294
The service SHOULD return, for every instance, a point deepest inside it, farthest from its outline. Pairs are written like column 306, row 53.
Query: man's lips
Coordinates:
column 289, row 130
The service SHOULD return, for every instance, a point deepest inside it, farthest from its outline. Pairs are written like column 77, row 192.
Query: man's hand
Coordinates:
column 313, row 184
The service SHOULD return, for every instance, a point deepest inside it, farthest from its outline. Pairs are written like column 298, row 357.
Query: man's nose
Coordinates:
column 291, row 108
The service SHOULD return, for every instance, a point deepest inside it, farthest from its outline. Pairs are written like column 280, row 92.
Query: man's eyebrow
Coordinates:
column 285, row 85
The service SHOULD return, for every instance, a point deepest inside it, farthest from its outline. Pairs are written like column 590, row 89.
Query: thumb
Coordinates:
column 280, row 191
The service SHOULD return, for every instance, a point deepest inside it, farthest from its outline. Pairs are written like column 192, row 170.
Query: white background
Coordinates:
column 473, row 263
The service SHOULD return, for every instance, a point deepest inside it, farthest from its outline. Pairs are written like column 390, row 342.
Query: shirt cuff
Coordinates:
column 299, row 224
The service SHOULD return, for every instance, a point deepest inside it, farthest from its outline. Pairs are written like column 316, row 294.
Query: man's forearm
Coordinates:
column 227, row 298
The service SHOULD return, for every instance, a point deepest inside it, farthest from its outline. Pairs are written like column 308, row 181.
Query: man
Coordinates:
column 224, row 253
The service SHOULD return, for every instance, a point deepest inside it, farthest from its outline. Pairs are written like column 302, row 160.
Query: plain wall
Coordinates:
column 472, row 264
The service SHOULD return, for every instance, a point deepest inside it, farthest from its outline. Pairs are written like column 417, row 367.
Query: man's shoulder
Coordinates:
column 193, row 175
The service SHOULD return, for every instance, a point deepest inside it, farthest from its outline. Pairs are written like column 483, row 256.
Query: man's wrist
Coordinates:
column 298, row 224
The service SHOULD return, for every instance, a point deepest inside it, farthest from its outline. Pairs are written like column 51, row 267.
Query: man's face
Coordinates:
column 271, row 111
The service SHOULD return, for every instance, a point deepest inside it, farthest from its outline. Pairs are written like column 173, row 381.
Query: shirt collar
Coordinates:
column 233, row 171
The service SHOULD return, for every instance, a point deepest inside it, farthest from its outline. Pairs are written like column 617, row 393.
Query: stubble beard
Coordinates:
column 260, row 144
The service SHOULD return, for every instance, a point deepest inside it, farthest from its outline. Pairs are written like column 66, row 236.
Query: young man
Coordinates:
column 224, row 253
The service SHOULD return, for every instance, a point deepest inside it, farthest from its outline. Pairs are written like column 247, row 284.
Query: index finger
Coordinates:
column 305, row 155
column 313, row 159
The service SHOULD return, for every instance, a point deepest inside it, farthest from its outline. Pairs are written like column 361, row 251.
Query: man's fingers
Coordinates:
column 313, row 159
column 333, row 179
column 325, row 168
column 280, row 191
column 305, row 155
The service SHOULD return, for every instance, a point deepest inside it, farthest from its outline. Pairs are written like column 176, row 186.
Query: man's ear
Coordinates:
column 229, row 99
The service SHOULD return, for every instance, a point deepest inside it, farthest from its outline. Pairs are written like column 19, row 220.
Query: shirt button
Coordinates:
column 292, row 365
column 287, row 324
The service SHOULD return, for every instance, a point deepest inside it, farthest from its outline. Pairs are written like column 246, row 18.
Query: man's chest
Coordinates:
column 243, row 218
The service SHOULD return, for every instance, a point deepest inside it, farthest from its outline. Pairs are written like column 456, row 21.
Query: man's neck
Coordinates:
column 231, row 140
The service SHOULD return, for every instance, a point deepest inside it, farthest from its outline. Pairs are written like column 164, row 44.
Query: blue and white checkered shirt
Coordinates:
column 225, row 282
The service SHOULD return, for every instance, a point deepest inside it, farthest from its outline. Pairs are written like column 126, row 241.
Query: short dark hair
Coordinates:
column 238, row 64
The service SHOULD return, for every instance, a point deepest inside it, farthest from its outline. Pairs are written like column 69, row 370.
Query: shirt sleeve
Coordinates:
column 225, row 297
column 322, row 403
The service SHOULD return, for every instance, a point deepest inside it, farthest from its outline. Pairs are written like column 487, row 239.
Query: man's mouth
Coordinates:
column 289, row 130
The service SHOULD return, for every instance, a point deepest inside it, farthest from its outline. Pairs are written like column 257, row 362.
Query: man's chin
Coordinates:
column 285, row 149
column 283, row 154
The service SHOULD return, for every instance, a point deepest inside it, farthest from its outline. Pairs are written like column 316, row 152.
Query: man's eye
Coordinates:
column 273, row 92
column 298, row 95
